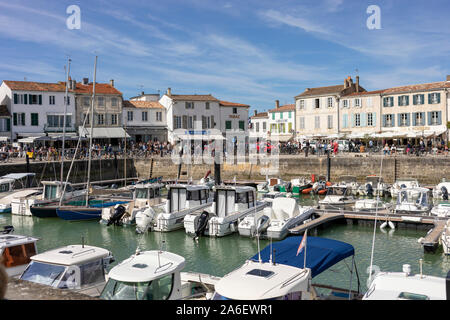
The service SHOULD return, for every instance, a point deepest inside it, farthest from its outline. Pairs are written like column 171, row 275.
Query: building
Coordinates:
column 259, row 125
column 35, row 110
column 317, row 111
column 282, row 122
column 145, row 120
column 108, row 122
column 234, row 116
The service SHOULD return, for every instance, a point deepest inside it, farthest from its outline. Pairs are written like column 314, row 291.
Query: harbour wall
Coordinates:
column 428, row 170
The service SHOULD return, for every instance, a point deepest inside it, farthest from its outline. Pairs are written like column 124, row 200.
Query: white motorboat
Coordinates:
column 145, row 195
column 349, row 182
column 8, row 188
column 441, row 190
column 445, row 238
column 277, row 273
column 52, row 192
column 5, row 202
column 441, row 210
column 274, row 222
column 337, row 198
column 406, row 183
column 231, row 205
column 273, row 184
column 16, row 251
column 374, row 186
column 407, row 286
column 408, row 203
column 155, row 275
column 182, row 200
column 300, row 184
column 370, row 205
column 80, row 268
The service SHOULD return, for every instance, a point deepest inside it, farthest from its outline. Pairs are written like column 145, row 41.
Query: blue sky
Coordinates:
column 253, row 52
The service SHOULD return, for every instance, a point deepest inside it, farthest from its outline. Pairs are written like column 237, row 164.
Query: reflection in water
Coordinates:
column 219, row 256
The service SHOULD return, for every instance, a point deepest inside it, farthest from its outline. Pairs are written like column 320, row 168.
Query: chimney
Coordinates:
column 350, row 81
column 256, row 112
column 111, row 82
column 277, row 103
column 85, row 81
column 74, row 84
column 357, row 83
column 448, row 78
column 142, row 93
column 169, row 91
column 345, row 83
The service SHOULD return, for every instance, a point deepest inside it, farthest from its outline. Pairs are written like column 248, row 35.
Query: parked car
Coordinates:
column 343, row 145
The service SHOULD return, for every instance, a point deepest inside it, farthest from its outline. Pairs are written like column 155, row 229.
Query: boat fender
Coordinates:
column 391, row 225
column 383, row 225
column 7, row 230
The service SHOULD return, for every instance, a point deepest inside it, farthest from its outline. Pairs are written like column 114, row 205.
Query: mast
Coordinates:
column 90, row 136
column 64, row 122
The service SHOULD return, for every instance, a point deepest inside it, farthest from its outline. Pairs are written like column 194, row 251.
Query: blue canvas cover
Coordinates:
column 321, row 253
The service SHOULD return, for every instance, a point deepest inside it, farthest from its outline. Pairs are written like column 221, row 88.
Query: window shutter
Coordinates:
column 213, row 125
column 438, row 97
column 203, row 122
column 399, row 120
column 414, row 115
column 8, row 124
column 344, row 120
column 429, row 117
column 407, row 100
column 399, row 100
column 393, row 120
column 15, row 98
column 15, row 119
column 25, row 99
column 374, row 119
column 439, row 118
column 429, row 98
column 23, row 118
column 353, row 120
column 408, row 116
column 363, row 119
column 184, row 122
column 40, row 99
column 414, row 99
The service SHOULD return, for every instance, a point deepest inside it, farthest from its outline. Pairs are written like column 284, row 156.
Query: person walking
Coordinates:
column 306, row 148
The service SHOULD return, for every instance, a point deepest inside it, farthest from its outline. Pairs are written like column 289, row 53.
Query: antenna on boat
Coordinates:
column 270, row 259
column 82, row 242
column 375, row 223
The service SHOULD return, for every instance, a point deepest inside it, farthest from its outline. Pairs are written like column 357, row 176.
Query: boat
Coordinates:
column 80, row 268
column 374, row 186
column 156, row 275
column 300, row 184
column 274, row 222
column 273, row 184
column 441, row 190
column 337, row 198
column 278, row 273
column 445, row 238
column 403, row 184
column 93, row 211
column 5, row 202
column 16, row 251
column 269, row 196
column 319, row 187
column 231, row 205
column 144, row 195
column 441, row 210
column 349, row 182
column 408, row 286
column 407, row 203
column 43, row 204
column 370, row 205
column 182, row 200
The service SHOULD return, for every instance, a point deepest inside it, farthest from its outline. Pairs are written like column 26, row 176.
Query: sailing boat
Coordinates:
column 87, row 210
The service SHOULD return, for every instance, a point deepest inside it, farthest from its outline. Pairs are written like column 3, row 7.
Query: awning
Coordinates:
column 4, row 138
column 321, row 253
column 28, row 140
column 104, row 133
column 281, row 138
column 205, row 137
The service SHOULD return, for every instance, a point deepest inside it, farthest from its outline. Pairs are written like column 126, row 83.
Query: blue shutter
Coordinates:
column 40, row 99
column 399, row 119
column 15, row 98
column 429, row 117
column 353, row 120
column 439, row 119
column 25, row 99
column 408, row 119
column 363, row 119
column 393, row 120
column 429, row 98
column 374, row 119
column 438, row 97
column 8, row 124
column 384, row 120
column 344, row 120
column 414, row 118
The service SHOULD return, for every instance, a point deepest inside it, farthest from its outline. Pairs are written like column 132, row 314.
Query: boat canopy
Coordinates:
column 17, row 176
column 321, row 253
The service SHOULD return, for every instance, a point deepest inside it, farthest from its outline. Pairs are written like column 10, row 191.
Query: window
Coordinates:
column 264, row 127
column 260, row 273
column 257, row 127
column 434, row 118
column 317, row 122
column 242, row 125
column 114, row 102
column 57, row 121
column 330, row 122
column 412, row 296
column 207, row 106
column 281, row 128
column 5, row 125
column 234, row 110
column 434, row 98
column 370, row 121
column 68, row 100
column 35, row 99
column 302, row 122
column 388, row 120
column 189, row 105
column 281, row 115
column 91, row 273
column 357, row 120
column 144, row 116
column 114, row 119
column 19, row 119
column 100, row 119
column 158, row 116
column 403, row 100
column 302, row 104
column 388, row 101
column 101, row 101
column 369, row 102
column 273, row 115
column 330, row 102
column 18, row 255
column 20, row 98
column 86, row 101
column 177, row 122
column 403, row 120
column 357, row 103
column 228, row 125
column 51, row 99
column 419, row 118
column 130, row 115
column 290, row 115
column 317, row 103
column 418, row 99
column 86, row 116
column 35, row 119
column 345, row 103
column 273, row 128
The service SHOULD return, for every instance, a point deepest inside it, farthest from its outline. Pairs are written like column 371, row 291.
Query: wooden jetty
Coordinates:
column 430, row 242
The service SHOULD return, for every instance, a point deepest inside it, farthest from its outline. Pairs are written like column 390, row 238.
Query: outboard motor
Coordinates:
column 7, row 230
column 276, row 188
column 403, row 186
column 119, row 211
column 444, row 193
column 202, row 223
column 369, row 189
column 144, row 220
column 262, row 224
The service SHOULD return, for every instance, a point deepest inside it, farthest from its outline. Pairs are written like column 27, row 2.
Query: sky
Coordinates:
column 248, row 51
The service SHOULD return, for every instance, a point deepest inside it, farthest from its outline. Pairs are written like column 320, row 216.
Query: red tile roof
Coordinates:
column 418, row 87
column 192, row 97
column 35, row 86
column 232, row 104
column 286, row 107
column 365, row 93
column 321, row 91
column 100, row 88
column 260, row 115
column 142, row 104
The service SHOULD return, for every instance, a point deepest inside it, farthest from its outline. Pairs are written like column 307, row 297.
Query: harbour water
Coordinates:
column 218, row 256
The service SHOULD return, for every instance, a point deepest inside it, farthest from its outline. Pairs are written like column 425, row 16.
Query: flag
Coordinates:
column 303, row 243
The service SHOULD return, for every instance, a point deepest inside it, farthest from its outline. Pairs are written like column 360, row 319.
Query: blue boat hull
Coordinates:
column 94, row 212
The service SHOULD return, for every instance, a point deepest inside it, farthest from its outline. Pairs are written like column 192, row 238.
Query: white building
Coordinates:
column 282, row 122
column 36, row 109
column 259, row 125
